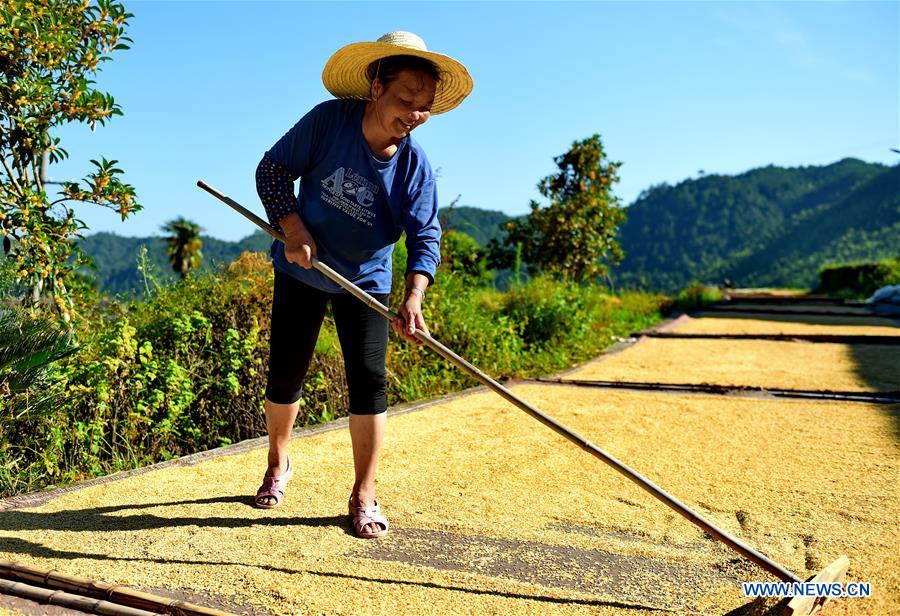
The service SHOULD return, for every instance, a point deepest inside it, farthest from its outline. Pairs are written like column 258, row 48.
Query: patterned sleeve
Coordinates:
column 276, row 189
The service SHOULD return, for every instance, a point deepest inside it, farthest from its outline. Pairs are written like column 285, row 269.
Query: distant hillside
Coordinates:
column 767, row 227
column 483, row 225
column 115, row 257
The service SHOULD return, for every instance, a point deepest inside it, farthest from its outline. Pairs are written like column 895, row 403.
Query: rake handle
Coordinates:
column 736, row 544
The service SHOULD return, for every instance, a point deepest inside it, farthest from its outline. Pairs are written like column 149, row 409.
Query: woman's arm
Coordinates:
column 411, row 318
column 423, row 232
column 283, row 163
column 299, row 245
column 423, row 246
column 275, row 187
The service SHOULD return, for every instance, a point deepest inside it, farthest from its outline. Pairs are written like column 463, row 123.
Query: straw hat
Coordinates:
column 345, row 71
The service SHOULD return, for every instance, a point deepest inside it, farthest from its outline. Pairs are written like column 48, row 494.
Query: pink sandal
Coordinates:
column 273, row 487
column 362, row 516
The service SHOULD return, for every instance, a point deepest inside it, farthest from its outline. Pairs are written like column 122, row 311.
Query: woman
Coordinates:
column 363, row 181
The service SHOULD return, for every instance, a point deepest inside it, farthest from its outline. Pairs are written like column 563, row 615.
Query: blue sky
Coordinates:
column 671, row 87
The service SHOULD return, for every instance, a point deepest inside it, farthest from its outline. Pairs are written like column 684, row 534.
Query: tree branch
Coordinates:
column 37, row 176
column 12, row 178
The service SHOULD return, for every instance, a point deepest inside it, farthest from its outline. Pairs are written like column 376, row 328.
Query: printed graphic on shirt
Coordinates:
column 351, row 193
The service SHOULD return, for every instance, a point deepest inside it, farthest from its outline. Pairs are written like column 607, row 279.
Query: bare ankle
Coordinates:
column 278, row 464
column 362, row 497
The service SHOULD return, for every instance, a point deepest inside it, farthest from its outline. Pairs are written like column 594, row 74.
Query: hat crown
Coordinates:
column 403, row 39
column 346, row 72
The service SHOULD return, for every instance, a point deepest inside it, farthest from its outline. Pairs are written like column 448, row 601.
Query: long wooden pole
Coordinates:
column 734, row 543
column 115, row 593
column 66, row 599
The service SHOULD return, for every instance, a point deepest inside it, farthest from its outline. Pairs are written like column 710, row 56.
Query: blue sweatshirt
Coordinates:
column 354, row 205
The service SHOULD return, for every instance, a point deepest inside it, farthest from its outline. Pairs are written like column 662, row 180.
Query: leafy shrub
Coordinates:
column 858, row 280
column 695, row 296
column 461, row 253
column 528, row 331
column 549, row 311
column 457, row 318
column 185, row 370
column 29, row 398
column 182, row 372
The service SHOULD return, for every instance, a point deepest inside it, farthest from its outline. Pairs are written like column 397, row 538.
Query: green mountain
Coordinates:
column 771, row 226
column 116, row 258
column 483, row 225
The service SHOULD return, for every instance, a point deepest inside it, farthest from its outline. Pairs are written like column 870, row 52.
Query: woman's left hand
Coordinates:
column 410, row 319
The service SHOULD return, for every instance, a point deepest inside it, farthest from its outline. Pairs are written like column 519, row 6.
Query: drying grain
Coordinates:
column 790, row 325
column 493, row 513
column 752, row 363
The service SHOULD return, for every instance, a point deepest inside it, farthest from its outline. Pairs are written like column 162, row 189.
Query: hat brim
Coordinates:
column 345, row 73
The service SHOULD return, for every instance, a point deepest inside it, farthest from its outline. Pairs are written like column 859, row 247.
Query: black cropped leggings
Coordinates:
column 297, row 314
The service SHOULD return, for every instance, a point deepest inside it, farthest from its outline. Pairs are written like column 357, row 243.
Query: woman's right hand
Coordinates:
column 299, row 246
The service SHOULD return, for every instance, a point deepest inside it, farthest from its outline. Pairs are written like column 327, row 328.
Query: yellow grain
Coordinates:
column 760, row 363
column 494, row 514
column 790, row 325
column 772, row 472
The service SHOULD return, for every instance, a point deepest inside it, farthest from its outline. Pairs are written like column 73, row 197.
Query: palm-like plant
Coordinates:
column 28, row 396
column 183, row 245
column 27, row 348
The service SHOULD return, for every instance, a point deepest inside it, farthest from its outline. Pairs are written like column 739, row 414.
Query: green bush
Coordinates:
column 549, row 310
column 185, row 370
column 858, row 280
column 29, row 395
column 461, row 253
column 182, row 372
column 458, row 318
column 695, row 296
column 537, row 327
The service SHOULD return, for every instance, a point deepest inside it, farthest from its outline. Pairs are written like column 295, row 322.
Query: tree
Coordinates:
column 461, row 253
column 49, row 50
column 183, row 246
column 575, row 236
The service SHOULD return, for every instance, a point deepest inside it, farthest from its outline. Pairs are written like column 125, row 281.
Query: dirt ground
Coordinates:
column 492, row 513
